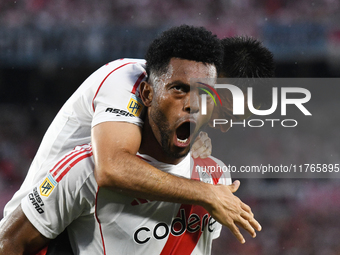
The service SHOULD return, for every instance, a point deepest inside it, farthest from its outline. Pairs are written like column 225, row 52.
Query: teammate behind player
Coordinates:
column 115, row 161
column 107, row 109
column 171, row 110
column 246, row 63
column 124, row 224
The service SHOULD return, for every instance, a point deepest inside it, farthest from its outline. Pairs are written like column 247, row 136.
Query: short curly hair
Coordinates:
column 184, row 42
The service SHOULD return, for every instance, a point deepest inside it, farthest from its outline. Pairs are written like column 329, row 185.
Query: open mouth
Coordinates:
column 183, row 134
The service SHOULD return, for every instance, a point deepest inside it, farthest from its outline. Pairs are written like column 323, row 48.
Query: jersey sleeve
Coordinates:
column 117, row 97
column 55, row 202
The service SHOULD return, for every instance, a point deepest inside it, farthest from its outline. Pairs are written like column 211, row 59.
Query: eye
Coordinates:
column 179, row 88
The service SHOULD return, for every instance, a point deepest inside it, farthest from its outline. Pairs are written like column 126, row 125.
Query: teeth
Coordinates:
column 182, row 141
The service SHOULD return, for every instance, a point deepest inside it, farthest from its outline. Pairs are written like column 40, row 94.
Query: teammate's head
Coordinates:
column 247, row 60
column 246, row 63
column 246, row 57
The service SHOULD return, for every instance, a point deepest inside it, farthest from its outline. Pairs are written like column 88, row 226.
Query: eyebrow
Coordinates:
column 177, row 82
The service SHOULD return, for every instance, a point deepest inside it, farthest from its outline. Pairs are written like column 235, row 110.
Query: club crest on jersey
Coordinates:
column 47, row 186
column 205, row 176
column 135, row 106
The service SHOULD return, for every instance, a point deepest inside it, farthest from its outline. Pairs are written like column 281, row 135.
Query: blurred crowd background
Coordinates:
column 48, row 47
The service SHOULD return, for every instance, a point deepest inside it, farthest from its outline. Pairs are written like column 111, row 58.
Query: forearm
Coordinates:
column 8, row 247
column 117, row 167
column 133, row 176
column 18, row 235
column 9, row 243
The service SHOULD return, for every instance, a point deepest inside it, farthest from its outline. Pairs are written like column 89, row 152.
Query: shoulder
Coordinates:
column 127, row 64
column 126, row 73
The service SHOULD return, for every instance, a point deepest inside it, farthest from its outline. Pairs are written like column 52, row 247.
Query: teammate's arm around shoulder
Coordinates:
column 19, row 236
column 115, row 145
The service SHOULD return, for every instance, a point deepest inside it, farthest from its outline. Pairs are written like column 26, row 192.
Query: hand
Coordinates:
column 230, row 211
column 202, row 146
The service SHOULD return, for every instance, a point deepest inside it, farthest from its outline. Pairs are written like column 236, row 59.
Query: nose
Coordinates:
column 192, row 102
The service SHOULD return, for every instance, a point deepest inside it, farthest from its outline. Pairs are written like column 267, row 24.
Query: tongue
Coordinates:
column 183, row 131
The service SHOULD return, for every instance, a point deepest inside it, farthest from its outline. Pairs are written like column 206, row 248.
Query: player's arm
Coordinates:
column 19, row 236
column 115, row 145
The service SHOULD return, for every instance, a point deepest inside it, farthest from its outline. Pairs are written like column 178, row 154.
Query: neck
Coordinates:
column 152, row 147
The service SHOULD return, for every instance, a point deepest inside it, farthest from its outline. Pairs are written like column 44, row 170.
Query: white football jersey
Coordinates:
column 109, row 94
column 101, row 221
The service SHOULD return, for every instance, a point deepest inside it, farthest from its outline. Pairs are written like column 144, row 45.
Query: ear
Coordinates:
column 146, row 93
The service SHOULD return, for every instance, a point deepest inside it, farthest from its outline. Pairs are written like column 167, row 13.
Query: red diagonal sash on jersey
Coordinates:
column 185, row 243
column 216, row 175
